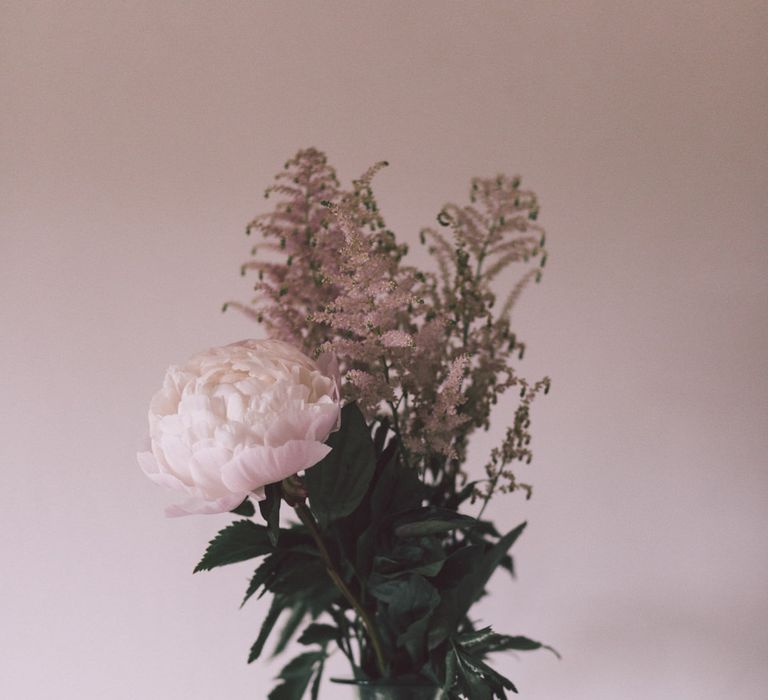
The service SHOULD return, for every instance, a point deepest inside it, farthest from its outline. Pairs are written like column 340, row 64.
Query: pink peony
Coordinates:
column 234, row 419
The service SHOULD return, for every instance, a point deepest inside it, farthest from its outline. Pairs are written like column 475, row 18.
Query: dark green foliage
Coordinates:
column 468, row 587
column 407, row 606
column 298, row 614
column 413, row 561
column 430, row 521
column 423, row 555
column 486, row 640
column 477, row 679
column 339, row 482
column 266, row 627
column 239, row 541
column 245, row 509
column 317, row 633
column 296, row 676
column 263, row 576
column 270, row 511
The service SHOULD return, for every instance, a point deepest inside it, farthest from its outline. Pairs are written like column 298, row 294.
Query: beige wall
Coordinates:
column 136, row 140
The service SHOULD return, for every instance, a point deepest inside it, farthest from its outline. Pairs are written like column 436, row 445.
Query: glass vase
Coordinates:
column 368, row 690
column 398, row 692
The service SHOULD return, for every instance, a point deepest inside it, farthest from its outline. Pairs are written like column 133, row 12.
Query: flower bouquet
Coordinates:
column 349, row 428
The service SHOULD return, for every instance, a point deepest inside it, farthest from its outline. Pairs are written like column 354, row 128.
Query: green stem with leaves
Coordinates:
column 306, row 517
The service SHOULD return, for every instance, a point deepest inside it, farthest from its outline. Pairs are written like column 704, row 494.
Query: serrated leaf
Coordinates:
column 480, row 638
column 503, row 642
column 472, row 685
column 245, row 509
column 318, row 633
column 498, row 683
column 262, row 575
column 298, row 613
column 337, row 484
column 266, row 627
column 239, row 541
column 296, row 676
column 270, row 511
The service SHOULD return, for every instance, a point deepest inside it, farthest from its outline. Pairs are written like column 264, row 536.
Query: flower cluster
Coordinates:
column 427, row 353
column 383, row 565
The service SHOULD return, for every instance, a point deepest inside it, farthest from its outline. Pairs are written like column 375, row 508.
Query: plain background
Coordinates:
column 137, row 138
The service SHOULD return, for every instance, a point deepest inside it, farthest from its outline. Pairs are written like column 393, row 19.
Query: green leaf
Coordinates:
column 497, row 683
column 429, row 527
column 414, row 639
column 459, row 565
column 263, row 574
column 245, row 509
column 239, row 541
column 270, row 511
column 450, row 671
column 266, row 627
column 337, row 484
column 479, row 639
column 397, row 489
column 296, row 676
column 457, row 601
column 424, row 556
column 456, row 500
column 408, row 604
column 315, row 693
column 508, row 563
column 503, row 642
column 317, row 633
column 434, row 520
column 472, row 684
column 298, row 613
column 472, row 587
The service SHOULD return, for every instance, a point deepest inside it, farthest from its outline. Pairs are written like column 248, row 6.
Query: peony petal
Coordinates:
column 326, row 419
column 257, row 466
column 176, row 452
column 205, row 469
column 197, row 506
column 155, row 473
column 148, row 463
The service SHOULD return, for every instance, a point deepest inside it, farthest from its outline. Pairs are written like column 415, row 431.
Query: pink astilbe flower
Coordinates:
column 423, row 352
column 297, row 248
column 397, row 339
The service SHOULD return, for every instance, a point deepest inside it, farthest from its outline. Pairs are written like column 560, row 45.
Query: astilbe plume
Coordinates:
column 425, row 353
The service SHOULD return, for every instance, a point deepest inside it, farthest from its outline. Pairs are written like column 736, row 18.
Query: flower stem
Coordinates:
column 306, row 517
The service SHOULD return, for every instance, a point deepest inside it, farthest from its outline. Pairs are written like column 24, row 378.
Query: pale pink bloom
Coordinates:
column 233, row 419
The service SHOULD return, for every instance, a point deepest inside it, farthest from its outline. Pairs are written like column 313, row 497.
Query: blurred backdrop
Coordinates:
column 137, row 139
